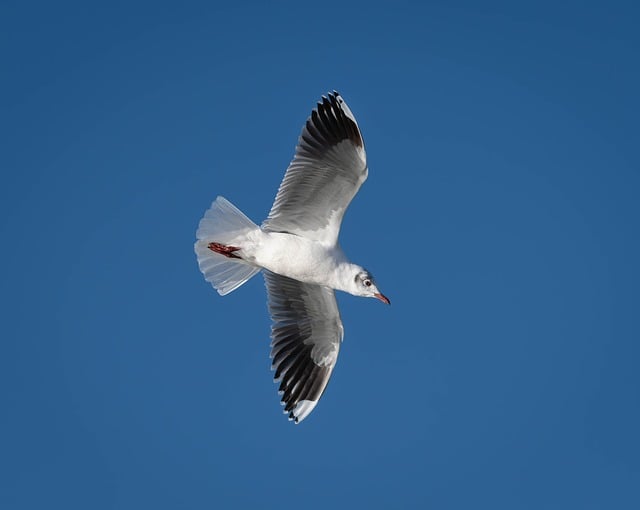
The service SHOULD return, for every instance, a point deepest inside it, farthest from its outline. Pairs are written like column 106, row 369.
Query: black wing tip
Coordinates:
column 299, row 381
column 289, row 411
column 334, row 94
column 332, row 120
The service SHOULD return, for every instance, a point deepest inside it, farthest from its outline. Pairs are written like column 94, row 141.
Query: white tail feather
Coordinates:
column 223, row 223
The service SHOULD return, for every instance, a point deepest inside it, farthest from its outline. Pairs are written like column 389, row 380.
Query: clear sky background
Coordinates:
column 501, row 216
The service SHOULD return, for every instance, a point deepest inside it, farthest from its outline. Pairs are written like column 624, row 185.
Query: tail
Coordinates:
column 223, row 223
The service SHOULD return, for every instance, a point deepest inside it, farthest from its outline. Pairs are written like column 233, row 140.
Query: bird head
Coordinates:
column 365, row 286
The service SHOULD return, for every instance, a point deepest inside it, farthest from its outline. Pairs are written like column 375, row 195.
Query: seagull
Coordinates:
column 297, row 250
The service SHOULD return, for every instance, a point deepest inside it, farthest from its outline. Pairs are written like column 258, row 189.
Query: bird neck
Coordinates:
column 344, row 277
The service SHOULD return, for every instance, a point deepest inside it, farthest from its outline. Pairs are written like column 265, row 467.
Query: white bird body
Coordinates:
column 298, row 251
column 298, row 258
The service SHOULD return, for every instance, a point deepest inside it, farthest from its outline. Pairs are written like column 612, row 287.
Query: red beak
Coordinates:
column 383, row 298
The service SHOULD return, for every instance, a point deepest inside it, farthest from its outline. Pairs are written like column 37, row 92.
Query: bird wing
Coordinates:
column 306, row 334
column 328, row 168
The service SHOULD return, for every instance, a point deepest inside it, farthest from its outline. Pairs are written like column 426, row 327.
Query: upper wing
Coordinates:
column 327, row 170
column 306, row 335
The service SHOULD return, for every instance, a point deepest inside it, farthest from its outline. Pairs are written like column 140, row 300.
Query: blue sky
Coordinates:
column 501, row 217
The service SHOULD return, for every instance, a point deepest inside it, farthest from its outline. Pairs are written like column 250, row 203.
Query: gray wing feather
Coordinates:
column 327, row 170
column 306, row 335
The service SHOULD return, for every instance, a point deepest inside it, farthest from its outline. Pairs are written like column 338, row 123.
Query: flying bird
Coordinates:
column 298, row 252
